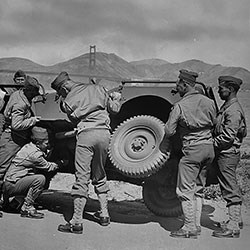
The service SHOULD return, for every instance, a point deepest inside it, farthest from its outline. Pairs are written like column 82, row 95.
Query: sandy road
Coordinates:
column 132, row 227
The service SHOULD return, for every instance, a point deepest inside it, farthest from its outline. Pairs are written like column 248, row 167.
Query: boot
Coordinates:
column 189, row 229
column 28, row 211
column 198, row 211
column 103, row 215
column 223, row 224
column 71, row 228
column 76, row 223
column 231, row 230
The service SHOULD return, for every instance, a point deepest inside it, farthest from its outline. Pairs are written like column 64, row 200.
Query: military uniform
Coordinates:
column 19, row 118
column 229, row 133
column 194, row 117
column 228, row 136
column 22, row 177
column 88, row 107
column 2, row 103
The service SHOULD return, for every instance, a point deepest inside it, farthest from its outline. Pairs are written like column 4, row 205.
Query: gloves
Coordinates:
column 116, row 96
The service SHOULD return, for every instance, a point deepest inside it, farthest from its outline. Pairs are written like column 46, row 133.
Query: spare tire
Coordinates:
column 159, row 191
column 161, row 199
column 134, row 147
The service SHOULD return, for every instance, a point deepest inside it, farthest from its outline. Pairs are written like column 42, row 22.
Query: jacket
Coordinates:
column 19, row 115
column 194, row 117
column 28, row 161
column 230, row 128
column 88, row 106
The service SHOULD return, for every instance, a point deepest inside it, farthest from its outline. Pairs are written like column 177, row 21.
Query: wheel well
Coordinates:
column 143, row 105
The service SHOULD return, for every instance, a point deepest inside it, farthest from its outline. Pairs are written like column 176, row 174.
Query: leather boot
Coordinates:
column 189, row 229
column 232, row 229
column 75, row 225
column 71, row 228
column 223, row 224
column 28, row 211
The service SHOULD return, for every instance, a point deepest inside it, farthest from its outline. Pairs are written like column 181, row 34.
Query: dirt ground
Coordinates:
column 132, row 226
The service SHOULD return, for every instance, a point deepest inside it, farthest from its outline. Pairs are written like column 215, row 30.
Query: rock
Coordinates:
column 119, row 190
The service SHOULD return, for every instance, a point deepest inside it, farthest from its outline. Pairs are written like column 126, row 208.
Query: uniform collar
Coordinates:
column 228, row 104
column 191, row 92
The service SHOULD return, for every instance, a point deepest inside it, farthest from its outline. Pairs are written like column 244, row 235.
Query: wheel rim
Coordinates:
column 137, row 144
column 134, row 147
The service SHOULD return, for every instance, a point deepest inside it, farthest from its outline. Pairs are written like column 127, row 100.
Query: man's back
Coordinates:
column 198, row 111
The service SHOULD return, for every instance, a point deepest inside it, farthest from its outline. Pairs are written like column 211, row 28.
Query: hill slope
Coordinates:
column 113, row 66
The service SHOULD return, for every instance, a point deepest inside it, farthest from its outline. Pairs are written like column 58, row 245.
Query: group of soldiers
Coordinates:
column 209, row 138
column 24, row 146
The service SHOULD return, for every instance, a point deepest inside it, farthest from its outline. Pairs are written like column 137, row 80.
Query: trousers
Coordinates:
column 226, row 167
column 90, row 158
column 192, row 168
column 21, row 187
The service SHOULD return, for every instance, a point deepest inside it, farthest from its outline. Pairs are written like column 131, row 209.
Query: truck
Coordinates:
column 136, row 146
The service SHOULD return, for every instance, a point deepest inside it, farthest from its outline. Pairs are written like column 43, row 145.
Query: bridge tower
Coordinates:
column 92, row 58
column 92, row 63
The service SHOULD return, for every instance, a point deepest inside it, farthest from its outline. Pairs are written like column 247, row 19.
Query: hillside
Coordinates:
column 114, row 67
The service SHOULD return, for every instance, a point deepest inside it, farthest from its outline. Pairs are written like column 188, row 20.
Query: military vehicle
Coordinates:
column 137, row 133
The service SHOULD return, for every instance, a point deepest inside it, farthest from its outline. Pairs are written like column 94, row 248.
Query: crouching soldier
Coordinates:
column 21, row 178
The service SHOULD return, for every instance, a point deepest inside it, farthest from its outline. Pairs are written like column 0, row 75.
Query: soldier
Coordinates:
column 229, row 133
column 2, row 104
column 19, row 118
column 22, row 177
column 87, row 106
column 194, row 117
column 19, row 79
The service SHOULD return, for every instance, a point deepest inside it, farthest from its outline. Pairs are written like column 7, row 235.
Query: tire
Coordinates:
column 161, row 199
column 159, row 192
column 134, row 147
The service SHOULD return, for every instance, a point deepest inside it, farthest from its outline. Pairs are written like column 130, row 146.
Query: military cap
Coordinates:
column 31, row 81
column 19, row 73
column 59, row 80
column 188, row 76
column 230, row 81
column 39, row 133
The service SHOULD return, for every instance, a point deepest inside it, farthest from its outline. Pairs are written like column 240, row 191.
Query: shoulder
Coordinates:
column 235, row 108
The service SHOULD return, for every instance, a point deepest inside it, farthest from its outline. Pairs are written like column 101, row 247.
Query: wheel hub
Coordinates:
column 138, row 144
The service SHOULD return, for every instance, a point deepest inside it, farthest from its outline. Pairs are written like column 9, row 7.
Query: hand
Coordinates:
column 116, row 96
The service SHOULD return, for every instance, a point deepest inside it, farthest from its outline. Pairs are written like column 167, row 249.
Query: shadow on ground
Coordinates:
column 127, row 212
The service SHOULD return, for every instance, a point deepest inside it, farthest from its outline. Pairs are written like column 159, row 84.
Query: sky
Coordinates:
column 52, row 31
